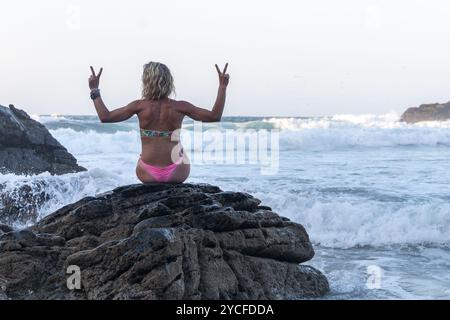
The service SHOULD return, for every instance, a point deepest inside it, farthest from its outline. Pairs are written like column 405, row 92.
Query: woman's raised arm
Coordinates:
column 205, row 115
column 117, row 115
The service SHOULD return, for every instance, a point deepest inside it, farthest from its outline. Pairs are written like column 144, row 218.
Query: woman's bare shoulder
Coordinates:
column 180, row 105
column 138, row 104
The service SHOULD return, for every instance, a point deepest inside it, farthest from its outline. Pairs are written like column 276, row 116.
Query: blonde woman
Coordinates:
column 162, row 158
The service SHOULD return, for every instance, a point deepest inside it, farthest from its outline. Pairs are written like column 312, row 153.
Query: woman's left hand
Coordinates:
column 94, row 80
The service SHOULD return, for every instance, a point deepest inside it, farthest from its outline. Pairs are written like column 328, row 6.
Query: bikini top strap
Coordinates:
column 155, row 133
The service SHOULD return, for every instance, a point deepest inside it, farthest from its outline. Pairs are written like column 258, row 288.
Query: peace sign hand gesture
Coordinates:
column 94, row 80
column 224, row 77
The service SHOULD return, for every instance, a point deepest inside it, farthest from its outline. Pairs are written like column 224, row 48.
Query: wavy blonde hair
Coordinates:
column 157, row 81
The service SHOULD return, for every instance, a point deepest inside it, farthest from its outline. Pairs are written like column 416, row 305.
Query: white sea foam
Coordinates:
column 93, row 142
column 48, row 118
column 332, row 133
column 388, row 120
column 344, row 223
column 68, row 188
column 331, row 221
column 344, row 131
column 335, row 224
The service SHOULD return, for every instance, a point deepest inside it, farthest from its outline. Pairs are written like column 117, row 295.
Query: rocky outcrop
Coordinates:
column 427, row 112
column 26, row 146
column 161, row 241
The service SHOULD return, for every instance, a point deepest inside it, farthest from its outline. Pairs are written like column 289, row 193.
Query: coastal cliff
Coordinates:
column 427, row 112
column 26, row 146
column 161, row 241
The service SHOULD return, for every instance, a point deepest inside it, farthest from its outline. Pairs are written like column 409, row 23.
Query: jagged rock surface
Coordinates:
column 157, row 241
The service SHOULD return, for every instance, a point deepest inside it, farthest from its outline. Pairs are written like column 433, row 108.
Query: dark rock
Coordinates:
column 161, row 241
column 26, row 146
column 5, row 228
column 3, row 295
column 427, row 112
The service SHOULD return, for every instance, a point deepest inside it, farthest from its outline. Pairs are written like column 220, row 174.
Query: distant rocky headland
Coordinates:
column 427, row 112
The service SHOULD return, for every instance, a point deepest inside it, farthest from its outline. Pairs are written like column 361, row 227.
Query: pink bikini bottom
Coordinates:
column 160, row 174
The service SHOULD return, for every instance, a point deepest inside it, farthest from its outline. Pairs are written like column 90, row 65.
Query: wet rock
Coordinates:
column 161, row 241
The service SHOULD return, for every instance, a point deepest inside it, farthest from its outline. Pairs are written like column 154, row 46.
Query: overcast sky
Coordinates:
column 287, row 57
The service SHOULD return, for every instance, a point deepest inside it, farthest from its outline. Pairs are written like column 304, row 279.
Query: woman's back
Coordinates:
column 159, row 115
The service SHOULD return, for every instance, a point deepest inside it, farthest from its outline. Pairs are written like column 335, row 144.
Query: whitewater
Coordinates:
column 372, row 192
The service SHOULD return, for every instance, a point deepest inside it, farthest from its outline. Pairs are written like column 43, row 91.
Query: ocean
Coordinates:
column 373, row 193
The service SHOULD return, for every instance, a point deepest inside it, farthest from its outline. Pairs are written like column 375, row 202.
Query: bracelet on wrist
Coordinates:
column 95, row 93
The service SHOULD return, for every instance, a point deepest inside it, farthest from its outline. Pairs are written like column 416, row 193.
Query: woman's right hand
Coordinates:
column 94, row 80
column 224, row 77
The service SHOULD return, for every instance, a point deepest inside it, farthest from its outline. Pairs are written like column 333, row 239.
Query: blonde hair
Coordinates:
column 157, row 81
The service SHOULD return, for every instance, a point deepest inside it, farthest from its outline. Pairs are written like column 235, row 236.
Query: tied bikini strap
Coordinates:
column 155, row 133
